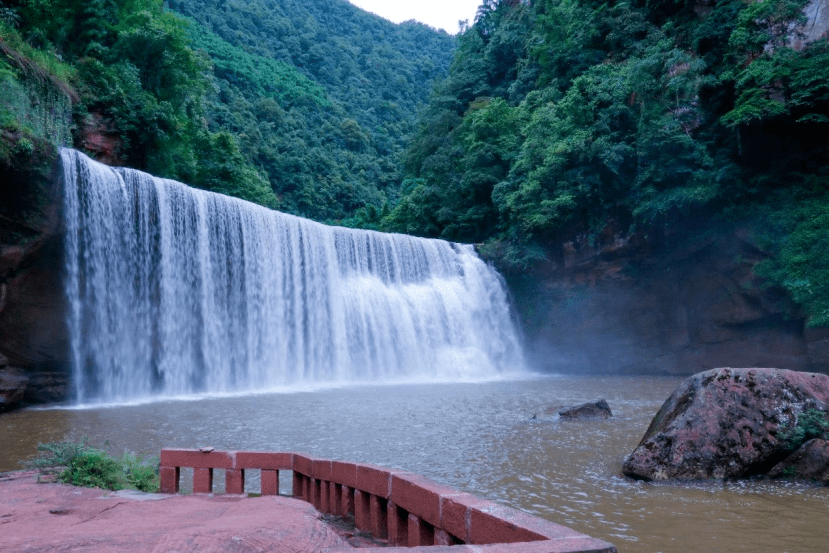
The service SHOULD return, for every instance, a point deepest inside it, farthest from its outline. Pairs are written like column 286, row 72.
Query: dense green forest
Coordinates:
column 330, row 156
column 559, row 117
column 305, row 107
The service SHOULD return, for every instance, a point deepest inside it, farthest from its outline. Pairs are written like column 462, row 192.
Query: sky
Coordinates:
column 441, row 14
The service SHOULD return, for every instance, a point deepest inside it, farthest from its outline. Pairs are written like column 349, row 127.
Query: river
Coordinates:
column 477, row 437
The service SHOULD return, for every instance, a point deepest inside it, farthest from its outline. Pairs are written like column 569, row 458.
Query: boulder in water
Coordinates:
column 726, row 423
column 810, row 462
column 596, row 410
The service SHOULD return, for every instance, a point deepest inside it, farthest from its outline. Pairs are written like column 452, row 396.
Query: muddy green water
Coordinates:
column 478, row 438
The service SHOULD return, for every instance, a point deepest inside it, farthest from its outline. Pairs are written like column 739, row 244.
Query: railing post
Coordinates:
column 324, row 504
column 168, row 479
column 270, row 482
column 379, row 525
column 337, row 500
column 398, row 525
column 442, row 537
column 347, row 506
column 202, row 480
column 235, row 481
column 420, row 532
column 361, row 511
column 298, row 486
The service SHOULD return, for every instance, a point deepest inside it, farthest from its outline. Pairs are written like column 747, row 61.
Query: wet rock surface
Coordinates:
column 101, row 140
column 586, row 411
column 726, row 423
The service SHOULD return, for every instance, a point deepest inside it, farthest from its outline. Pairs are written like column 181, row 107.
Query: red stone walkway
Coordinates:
column 55, row 517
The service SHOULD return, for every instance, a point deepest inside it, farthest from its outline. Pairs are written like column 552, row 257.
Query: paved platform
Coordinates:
column 39, row 517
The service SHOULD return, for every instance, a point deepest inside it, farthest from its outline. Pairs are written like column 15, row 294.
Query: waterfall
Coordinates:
column 177, row 291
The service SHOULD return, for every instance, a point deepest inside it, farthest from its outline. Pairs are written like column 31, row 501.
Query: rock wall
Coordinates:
column 33, row 337
column 628, row 305
column 815, row 27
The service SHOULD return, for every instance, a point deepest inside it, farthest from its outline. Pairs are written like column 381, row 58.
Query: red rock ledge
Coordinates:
column 401, row 507
column 39, row 518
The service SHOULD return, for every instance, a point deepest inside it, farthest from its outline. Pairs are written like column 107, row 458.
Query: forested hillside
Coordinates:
column 121, row 77
column 579, row 117
column 325, row 156
column 304, row 107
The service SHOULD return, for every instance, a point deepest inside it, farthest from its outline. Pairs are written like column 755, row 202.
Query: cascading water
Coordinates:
column 176, row 291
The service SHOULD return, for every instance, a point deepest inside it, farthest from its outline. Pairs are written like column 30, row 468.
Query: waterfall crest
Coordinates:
column 178, row 291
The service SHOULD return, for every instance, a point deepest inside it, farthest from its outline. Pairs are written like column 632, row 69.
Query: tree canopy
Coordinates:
column 560, row 116
column 300, row 106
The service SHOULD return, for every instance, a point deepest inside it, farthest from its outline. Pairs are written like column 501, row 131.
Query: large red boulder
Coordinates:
column 726, row 423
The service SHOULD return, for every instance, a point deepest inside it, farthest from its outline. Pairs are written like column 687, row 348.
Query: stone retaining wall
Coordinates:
column 405, row 508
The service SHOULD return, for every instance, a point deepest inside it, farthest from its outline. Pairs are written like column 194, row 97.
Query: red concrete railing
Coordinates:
column 405, row 508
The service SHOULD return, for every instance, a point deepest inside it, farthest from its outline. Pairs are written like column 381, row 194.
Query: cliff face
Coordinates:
column 33, row 338
column 626, row 306
column 816, row 25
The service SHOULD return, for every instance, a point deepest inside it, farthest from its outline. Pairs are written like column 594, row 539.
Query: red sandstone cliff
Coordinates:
column 636, row 304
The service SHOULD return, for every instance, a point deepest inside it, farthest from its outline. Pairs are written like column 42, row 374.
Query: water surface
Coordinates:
column 478, row 438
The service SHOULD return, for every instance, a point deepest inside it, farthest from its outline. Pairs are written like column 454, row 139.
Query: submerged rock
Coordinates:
column 809, row 462
column 596, row 410
column 726, row 423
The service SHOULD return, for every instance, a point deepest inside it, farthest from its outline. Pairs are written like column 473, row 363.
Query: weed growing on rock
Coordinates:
column 812, row 423
column 83, row 465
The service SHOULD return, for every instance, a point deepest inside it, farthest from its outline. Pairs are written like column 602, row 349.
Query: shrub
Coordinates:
column 83, row 465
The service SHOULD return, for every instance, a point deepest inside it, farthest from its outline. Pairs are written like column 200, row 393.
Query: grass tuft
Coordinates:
column 83, row 465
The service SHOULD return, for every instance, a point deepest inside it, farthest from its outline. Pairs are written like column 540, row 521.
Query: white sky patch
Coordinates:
column 441, row 14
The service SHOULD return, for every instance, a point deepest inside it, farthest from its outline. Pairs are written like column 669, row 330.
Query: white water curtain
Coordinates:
column 178, row 291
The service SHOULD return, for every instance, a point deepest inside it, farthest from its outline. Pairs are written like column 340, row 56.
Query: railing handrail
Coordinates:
column 403, row 507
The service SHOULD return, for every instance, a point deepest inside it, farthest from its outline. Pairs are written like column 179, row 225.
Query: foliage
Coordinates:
column 321, row 95
column 83, row 465
column 306, row 110
column 566, row 117
column 801, row 265
column 263, row 76
column 811, row 423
